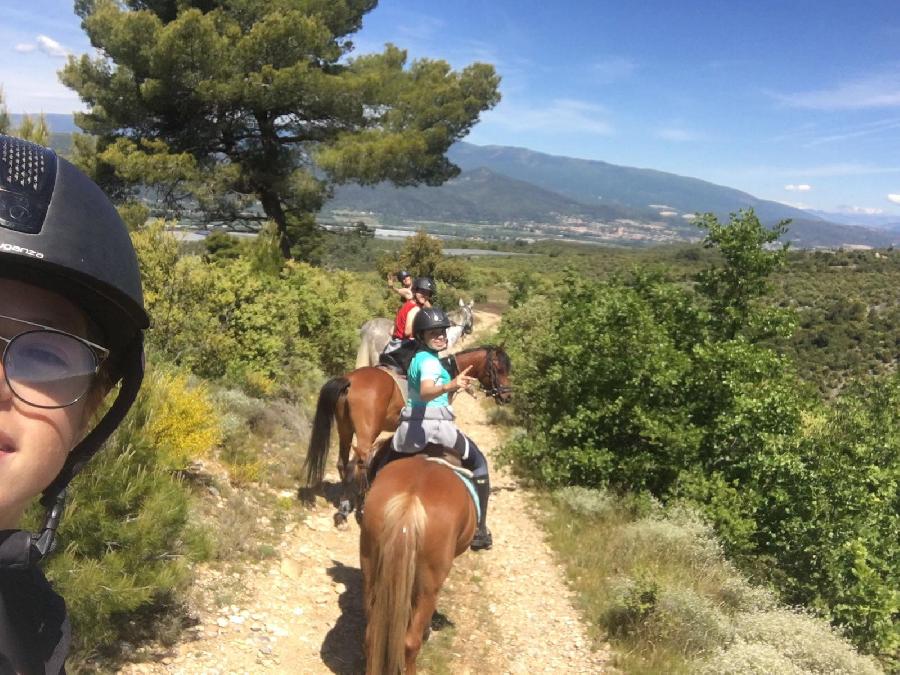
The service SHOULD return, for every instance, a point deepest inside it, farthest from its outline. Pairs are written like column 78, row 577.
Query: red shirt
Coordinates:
column 400, row 322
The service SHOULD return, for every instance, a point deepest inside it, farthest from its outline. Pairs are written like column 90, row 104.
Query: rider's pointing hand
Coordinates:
column 461, row 381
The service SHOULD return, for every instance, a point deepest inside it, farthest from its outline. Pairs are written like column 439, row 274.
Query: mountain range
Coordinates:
column 563, row 197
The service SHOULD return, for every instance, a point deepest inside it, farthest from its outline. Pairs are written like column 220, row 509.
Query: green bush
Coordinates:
column 228, row 318
column 644, row 384
column 126, row 540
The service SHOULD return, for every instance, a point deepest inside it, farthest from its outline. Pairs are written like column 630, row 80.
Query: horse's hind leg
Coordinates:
column 345, row 439
column 424, row 606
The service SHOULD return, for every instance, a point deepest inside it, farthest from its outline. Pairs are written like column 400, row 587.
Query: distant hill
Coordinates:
column 550, row 196
column 592, row 181
column 874, row 220
column 478, row 196
column 58, row 123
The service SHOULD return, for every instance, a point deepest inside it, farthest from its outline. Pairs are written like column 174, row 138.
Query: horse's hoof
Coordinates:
column 340, row 521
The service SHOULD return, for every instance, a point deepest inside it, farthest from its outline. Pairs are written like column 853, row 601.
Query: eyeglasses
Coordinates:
column 46, row 367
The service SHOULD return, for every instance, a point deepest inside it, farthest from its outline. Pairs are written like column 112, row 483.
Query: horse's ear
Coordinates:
column 471, row 304
column 502, row 346
column 461, row 303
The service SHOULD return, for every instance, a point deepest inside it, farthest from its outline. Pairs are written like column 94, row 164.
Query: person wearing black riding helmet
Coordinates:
column 423, row 288
column 71, row 327
column 428, row 417
column 406, row 281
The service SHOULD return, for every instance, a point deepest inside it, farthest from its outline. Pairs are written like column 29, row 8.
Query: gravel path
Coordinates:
column 300, row 612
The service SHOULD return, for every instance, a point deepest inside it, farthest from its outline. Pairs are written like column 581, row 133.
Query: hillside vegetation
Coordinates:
column 644, row 383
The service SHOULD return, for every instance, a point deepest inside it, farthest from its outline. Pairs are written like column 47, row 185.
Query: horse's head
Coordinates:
column 468, row 316
column 492, row 370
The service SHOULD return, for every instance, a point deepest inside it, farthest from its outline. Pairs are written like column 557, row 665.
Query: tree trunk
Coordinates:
column 272, row 206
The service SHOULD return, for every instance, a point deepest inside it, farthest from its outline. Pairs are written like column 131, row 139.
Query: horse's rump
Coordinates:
column 393, row 572
column 417, row 519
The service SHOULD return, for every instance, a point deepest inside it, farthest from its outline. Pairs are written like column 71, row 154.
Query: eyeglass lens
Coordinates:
column 48, row 369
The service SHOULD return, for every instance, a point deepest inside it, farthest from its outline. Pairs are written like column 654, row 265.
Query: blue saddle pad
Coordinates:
column 466, row 477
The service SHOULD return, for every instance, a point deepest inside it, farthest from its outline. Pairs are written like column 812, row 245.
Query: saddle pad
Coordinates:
column 466, row 477
column 402, row 382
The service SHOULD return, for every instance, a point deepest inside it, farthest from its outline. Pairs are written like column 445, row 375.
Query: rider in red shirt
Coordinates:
column 423, row 289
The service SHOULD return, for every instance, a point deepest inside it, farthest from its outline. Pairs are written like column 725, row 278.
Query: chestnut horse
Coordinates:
column 418, row 518
column 368, row 401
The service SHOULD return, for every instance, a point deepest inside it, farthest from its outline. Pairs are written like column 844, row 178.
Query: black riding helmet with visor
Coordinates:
column 429, row 318
column 59, row 231
column 424, row 285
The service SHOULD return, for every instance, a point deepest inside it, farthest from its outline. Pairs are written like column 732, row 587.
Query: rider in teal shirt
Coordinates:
column 426, row 365
column 428, row 417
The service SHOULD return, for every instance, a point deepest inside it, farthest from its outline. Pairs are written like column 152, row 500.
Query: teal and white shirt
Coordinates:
column 427, row 366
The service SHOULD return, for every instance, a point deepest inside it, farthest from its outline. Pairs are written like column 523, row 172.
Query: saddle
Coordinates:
column 385, row 454
column 400, row 358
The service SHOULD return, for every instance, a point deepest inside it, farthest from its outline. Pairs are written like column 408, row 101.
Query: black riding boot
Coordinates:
column 482, row 539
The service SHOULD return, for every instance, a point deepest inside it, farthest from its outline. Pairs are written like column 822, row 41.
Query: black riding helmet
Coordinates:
column 429, row 318
column 424, row 285
column 60, row 232
column 403, row 274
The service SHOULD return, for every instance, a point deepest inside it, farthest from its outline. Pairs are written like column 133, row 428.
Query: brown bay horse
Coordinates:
column 367, row 402
column 418, row 518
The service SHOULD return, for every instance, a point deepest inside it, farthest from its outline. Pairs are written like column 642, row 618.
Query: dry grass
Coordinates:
column 655, row 581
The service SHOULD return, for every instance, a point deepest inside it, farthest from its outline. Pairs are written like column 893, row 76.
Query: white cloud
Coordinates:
column 612, row 69
column 560, row 115
column 859, row 131
column 894, row 198
column 799, row 188
column 879, row 90
column 51, row 47
column 25, row 47
column 668, row 214
column 689, row 216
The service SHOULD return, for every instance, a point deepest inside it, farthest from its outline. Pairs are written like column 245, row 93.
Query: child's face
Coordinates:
column 34, row 442
column 436, row 339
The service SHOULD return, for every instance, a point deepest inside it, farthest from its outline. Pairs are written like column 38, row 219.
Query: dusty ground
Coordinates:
column 506, row 610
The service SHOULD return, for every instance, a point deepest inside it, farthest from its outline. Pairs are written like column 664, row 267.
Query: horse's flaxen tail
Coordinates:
column 320, row 440
column 394, row 573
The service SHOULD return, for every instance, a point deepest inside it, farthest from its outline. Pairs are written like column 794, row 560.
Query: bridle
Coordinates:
column 468, row 322
column 496, row 390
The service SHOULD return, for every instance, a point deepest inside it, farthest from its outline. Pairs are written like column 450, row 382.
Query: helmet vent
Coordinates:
column 27, row 176
column 24, row 164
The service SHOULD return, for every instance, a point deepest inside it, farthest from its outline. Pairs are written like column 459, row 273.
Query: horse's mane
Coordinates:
column 501, row 354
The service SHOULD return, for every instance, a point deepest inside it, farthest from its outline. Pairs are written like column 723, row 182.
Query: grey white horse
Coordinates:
column 375, row 333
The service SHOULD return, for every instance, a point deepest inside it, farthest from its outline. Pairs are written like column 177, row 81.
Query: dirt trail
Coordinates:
column 301, row 611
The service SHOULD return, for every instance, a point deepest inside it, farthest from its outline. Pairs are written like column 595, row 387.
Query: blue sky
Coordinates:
column 793, row 101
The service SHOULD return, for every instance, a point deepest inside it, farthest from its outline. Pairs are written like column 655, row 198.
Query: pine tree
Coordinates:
column 267, row 98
